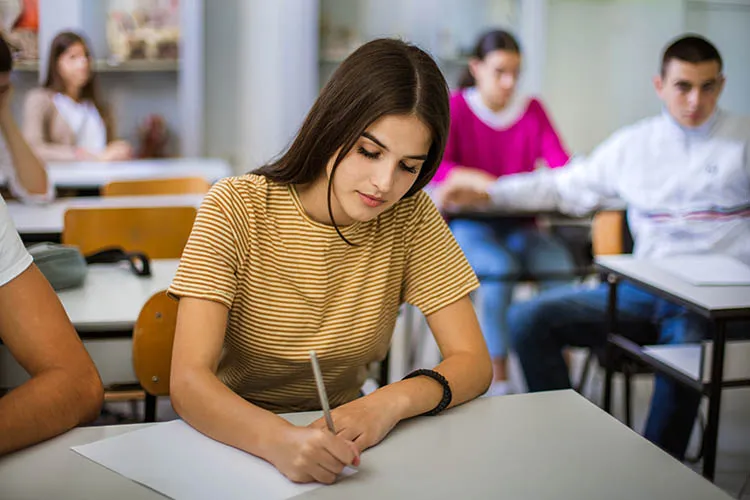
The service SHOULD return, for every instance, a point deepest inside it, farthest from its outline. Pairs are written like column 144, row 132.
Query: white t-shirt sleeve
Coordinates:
column 14, row 259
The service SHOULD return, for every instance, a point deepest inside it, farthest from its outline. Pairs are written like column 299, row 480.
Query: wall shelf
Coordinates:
column 104, row 66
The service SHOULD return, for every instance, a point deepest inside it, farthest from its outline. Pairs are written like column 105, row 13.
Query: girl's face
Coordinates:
column 74, row 66
column 496, row 77
column 380, row 168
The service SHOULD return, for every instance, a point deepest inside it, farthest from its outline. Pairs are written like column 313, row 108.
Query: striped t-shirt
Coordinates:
column 292, row 284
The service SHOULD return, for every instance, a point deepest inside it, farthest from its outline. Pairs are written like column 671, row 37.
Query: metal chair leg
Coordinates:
column 585, row 372
column 702, row 428
column 384, row 370
column 744, row 486
column 626, row 371
column 150, row 411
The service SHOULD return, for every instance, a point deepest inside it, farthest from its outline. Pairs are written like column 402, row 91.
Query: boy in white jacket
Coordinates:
column 685, row 178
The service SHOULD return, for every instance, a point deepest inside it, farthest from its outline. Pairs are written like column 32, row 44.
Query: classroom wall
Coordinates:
column 222, row 82
column 603, row 55
column 261, row 63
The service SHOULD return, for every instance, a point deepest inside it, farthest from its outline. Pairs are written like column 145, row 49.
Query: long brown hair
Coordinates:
column 489, row 42
column 62, row 42
column 382, row 77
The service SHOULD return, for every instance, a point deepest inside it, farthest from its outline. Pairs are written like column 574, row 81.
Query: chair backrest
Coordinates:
column 153, row 337
column 159, row 232
column 178, row 185
column 610, row 233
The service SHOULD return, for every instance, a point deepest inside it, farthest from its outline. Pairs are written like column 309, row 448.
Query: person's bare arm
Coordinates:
column 466, row 366
column 30, row 173
column 65, row 389
column 208, row 405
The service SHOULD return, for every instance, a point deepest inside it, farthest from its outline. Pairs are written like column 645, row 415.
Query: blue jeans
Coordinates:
column 502, row 251
column 577, row 316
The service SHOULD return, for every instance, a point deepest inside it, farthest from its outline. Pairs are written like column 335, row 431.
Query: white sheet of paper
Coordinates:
column 181, row 463
column 707, row 270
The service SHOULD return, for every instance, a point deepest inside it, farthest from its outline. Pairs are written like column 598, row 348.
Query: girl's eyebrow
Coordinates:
column 368, row 135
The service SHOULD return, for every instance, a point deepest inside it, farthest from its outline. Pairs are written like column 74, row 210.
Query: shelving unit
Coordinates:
column 447, row 29
column 172, row 88
column 101, row 66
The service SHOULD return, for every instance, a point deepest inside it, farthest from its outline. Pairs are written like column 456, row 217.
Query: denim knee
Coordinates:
column 524, row 321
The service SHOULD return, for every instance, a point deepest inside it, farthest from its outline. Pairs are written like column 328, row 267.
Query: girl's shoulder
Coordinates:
column 40, row 96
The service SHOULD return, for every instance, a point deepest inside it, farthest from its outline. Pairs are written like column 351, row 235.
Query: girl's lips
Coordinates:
column 370, row 201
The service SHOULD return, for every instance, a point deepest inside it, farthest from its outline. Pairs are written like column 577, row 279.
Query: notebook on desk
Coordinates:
column 181, row 463
column 707, row 270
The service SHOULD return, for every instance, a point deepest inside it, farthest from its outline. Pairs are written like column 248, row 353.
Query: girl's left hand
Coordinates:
column 366, row 420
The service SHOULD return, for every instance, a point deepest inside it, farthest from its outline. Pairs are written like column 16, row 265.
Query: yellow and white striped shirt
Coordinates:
column 292, row 284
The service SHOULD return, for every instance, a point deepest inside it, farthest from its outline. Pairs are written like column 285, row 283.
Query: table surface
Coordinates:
column 685, row 357
column 49, row 218
column 93, row 174
column 554, row 445
column 712, row 301
column 112, row 296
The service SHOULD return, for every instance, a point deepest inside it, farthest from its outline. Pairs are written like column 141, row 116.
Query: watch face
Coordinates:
column 10, row 11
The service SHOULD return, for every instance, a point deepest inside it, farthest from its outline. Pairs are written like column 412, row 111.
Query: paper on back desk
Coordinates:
column 707, row 270
column 181, row 463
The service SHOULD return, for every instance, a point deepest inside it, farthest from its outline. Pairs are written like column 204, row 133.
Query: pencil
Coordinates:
column 322, row 395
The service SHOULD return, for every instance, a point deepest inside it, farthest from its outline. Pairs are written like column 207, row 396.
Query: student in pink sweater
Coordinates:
column 495, row 132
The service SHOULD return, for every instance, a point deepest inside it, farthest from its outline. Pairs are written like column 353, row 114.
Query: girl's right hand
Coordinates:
column 305, row 455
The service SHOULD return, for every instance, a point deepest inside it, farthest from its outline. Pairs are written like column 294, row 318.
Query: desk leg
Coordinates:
column 609, row 347
column 714, row 401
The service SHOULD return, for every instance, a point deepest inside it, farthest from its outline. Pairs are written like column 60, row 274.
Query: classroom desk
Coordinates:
column 554, row 445
column 94, row 174
column 719, row 304
column 45, row 222
column 112, row 296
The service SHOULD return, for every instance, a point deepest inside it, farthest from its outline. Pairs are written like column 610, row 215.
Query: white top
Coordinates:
column 687, row 191
column 14, row 259
column 733, row 300
column 112, row 296
column 550, row 446
column 85, row 121
column 49, row 219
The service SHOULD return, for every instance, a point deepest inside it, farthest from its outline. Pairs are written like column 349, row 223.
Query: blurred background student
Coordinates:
column 25, row 174
column 496, row 131
column 66, row 120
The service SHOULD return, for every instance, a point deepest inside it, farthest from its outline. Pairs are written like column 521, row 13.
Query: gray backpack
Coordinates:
column 64, row 266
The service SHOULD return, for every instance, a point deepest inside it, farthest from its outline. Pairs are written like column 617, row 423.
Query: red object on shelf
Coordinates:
column 29, row 18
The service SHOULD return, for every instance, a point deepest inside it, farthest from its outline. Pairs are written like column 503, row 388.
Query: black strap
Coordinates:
column 447, row 393
column 138, row 261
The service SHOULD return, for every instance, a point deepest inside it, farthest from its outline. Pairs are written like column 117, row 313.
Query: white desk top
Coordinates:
column 540, row 446
column 48, row 219
column 112, row 296
column 684, row 357
column 723, row 300
column 95, row 174
column 694, row 360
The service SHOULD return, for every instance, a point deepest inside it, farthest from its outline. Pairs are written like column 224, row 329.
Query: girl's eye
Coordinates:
column 411, row 170
column 368, row 154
